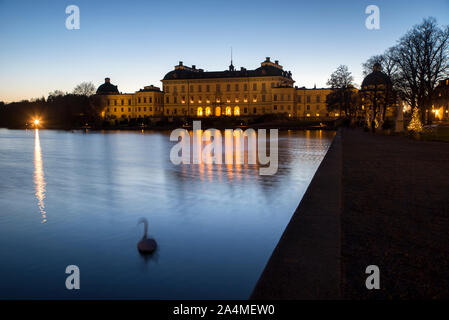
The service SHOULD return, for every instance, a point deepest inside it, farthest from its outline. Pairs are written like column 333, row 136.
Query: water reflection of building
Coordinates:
column 193, row 92
column 39, row 180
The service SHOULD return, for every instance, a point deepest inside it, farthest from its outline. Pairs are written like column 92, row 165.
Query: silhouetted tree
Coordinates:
column 423, row 59
column 388, row 63
column 343, row 96
column 55, row 94
column 85, row 89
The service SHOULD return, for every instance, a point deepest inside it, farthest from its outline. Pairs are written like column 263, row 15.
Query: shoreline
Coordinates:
column 205, row 123
column 305, row 264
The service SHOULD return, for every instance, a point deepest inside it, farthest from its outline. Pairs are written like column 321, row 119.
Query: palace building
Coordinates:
column 193, row 92
column 440, row 106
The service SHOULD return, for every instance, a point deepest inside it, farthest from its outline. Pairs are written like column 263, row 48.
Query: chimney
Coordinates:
column 107, row 80
column 267, row 59
column 276, row 62
column 180, row 63
column 193, row 66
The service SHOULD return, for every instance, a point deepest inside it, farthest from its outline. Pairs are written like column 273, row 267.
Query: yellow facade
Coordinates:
column 220, row 97
column 144, row 103
column 311, row 104
column 191, row 92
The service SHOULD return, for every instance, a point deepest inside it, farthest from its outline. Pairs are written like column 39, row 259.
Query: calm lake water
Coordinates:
column 75, row 198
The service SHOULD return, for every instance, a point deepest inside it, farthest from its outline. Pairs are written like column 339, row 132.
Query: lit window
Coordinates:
column 208, row 112
column 199, row 112
column 228, row 111
column 236, row 111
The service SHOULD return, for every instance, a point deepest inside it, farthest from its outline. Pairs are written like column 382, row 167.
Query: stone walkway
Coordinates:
column 375, row 200
column 395, row 215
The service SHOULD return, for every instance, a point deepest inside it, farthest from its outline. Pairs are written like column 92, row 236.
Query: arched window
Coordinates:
column 208, row 112
column 199, row 112
column 236, row 111
column 228, row 111
column 217, row 111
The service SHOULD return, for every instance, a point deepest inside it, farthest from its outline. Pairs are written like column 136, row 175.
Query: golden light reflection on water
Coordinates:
column 236, row 152
column 39, row 180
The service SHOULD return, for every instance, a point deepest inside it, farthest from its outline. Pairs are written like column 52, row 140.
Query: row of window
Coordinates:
column 183, row 99
column 139, row 100
column 321, row 115
column 174, row 99
column 199, row 88
column 275, row 97
column 139, row 109
column 207, row 111
column 275, row 107
column 318, row 99
column 136, row 109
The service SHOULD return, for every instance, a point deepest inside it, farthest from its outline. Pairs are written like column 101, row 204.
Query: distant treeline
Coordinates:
column 59, row 111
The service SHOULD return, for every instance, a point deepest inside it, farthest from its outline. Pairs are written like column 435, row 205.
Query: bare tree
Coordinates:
column 341, row 78
column 388, row 63
column 342, row 97
column 423, row 59
column 84, row 89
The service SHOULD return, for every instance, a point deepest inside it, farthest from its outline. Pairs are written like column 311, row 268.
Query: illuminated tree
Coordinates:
column 415, row 124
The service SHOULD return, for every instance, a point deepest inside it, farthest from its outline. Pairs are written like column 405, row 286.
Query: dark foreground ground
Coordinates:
column 395, row 215
column 375, row 200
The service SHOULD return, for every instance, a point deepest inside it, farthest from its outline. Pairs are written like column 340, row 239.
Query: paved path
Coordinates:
column 396, row 216
column 375, row 200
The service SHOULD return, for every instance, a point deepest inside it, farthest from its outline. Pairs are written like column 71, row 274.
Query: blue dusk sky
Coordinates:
column 136, row 43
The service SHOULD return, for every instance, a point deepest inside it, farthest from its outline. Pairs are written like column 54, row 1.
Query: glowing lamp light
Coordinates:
column 36, row 122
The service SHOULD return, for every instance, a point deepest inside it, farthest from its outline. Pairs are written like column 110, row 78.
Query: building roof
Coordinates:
column 267, row 69
column 376, row 78
column 150, row 88
column 107, row 87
